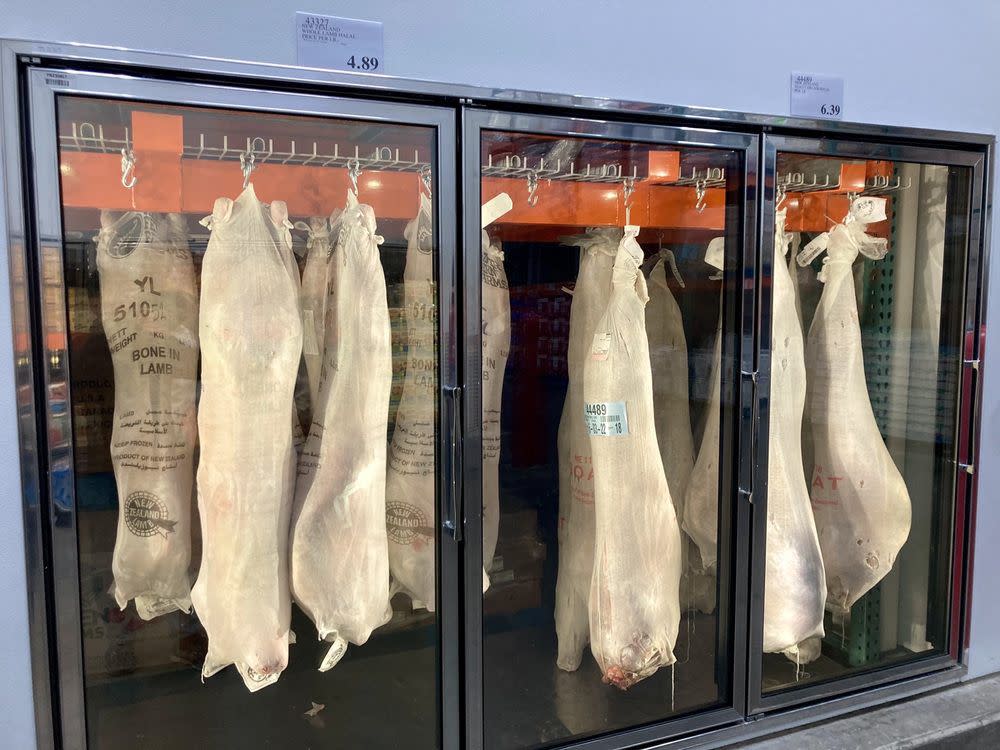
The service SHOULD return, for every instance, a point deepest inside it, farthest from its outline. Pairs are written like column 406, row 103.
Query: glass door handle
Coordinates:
column 749, row 415
column 454, row 520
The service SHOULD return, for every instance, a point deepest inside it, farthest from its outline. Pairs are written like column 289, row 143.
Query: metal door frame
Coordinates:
column 966, row 415
column 740, row 315
column 44, row 240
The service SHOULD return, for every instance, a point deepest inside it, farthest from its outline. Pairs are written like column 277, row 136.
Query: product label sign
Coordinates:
column 816, row 96
column 338, row 43
column 606, row 418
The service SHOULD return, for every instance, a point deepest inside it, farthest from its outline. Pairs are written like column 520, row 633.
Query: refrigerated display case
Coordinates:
column 872, row 276
column 459, row 417
column 579, row 414
column 205, row 345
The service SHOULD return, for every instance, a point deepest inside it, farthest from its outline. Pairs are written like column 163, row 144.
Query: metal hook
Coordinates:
column 699, row 196
column 248, row 159
column 425, row 179
column 628, row 187
column 247, row 166
column 532, row 188
column 780, row 194
column 353, row 173
column 128, row 169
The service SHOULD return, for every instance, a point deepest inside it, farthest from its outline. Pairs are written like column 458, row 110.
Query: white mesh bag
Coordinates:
column 668, row 358
column 339, row 553
column 251, row 340
column 576, row 530
column 317, row 280
column 634, row 597
column 496, row 347
column 410, row 494
column 859, row 499
column 149, row 308
column 794, row 584
column 701, row 503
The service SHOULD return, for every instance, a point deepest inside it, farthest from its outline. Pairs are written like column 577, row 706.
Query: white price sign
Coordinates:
column 338, row 43
column 817, row 96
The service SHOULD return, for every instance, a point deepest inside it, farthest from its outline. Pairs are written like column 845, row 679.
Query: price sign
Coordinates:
column 338, row 43
column 817, row 96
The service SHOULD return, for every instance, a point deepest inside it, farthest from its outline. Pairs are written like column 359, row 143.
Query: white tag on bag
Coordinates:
column 601, row 347
column 868, row 209
column 812, row 249
column 715, row 254
column 607, row 419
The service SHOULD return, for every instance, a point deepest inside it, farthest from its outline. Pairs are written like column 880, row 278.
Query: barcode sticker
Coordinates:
column 61, row 80
column 607, row 419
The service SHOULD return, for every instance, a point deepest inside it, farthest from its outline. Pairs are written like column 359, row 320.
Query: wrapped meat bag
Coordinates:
column 576, row 530
column 149, row 309
column 251, row 342
column 701, row 502
column 700, row 518
column 317, row 276
column 634, row 597
column 496, row 347
column 340, row 555
column 794, row 582
column 671, row 410
column 410, row 492
column 859, row 499
column 669, row 364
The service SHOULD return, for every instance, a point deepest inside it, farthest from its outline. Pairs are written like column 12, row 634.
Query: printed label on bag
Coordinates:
column 150, row 607
column 601, row 348
column 868, row 209
column 715, row 253
column 334, row 654
column 608, row 419
column 310, row 346
column 405, row 522
column 255, row 680
column 817, row 245
column 146, row 515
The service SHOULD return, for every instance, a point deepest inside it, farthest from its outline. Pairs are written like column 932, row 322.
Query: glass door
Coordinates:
column 245, row 348
column 609, row 288
column 859, row 556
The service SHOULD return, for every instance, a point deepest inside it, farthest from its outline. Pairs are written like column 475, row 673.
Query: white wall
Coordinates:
column 918, row 63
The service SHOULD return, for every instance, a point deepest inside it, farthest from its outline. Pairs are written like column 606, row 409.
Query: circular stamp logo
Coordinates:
column 145, row 515
column 254, row 676
column 425, row 240
column 404, row 521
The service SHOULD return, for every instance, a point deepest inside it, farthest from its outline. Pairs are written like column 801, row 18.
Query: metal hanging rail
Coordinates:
column 85, row 136
column 90, row 138
column 796, row 182
column 519, row 166
column 879, row 185
column 712, row 177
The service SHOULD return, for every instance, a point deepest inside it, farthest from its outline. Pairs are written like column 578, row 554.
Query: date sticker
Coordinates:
column 606, row 418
